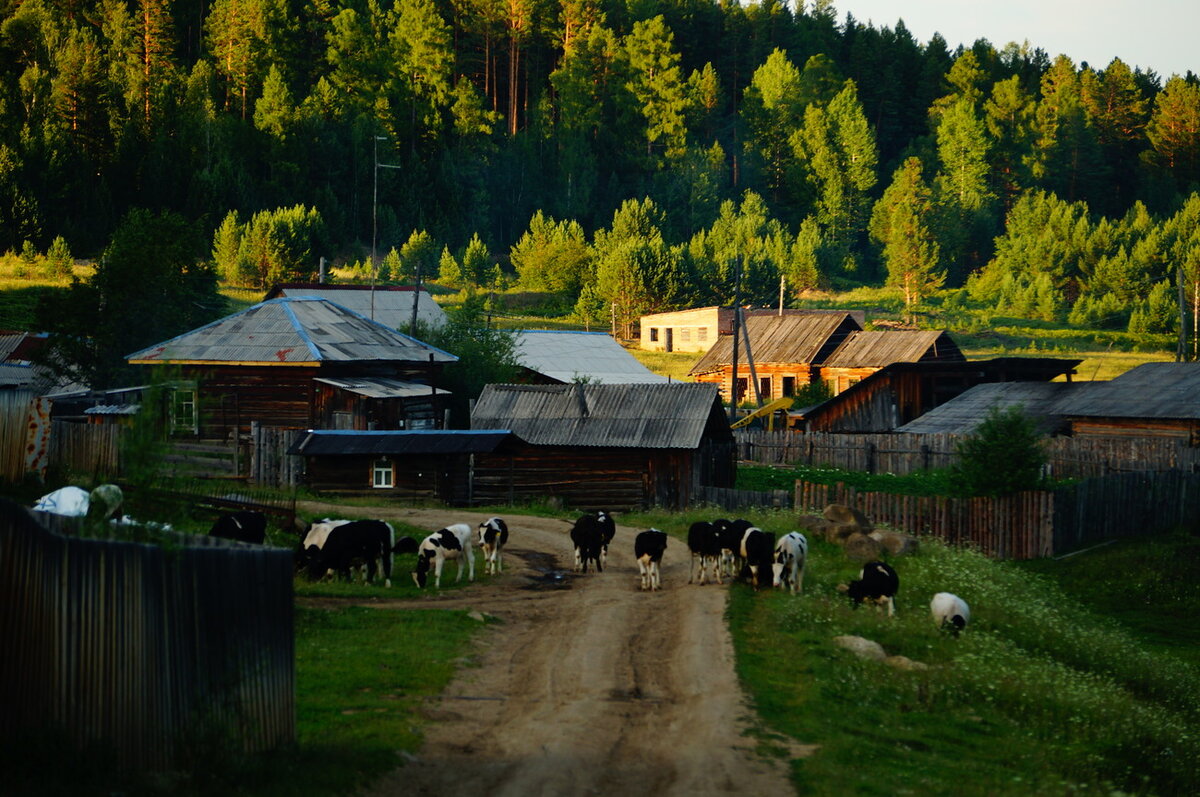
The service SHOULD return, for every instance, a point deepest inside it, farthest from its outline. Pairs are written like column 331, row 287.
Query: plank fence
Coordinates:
column 86, row 448
column 727, row 498
column 143, row 649
column 14, row 417
column 270, row 464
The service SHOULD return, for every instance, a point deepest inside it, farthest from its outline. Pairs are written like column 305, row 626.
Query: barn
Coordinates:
column 301, row 363
column 867, row 351
column 1153, row 400
column 618, row 446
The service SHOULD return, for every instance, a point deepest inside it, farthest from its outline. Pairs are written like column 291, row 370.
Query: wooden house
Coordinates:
column 902, row 392
column 785, row 353
column 698, row 329
column 963, row 414
column 1153, row 400
column 302, row 363
column 867, row 351
column 618, row 446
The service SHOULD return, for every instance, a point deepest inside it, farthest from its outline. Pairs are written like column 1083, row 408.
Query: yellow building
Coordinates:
column 697, row 330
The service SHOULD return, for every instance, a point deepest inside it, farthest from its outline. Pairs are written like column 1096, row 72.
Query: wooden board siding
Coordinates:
column 1187, row 430
column 802, row 373
column 440, row 478
column 335, row 408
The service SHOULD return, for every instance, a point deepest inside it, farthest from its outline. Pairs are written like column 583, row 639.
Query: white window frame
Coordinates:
column 383, row 474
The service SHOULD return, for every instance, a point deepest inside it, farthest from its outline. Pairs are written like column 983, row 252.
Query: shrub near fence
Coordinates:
column 142, row 649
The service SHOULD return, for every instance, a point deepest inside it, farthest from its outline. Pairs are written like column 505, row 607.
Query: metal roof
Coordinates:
column 398, row 442
column 113, row 409
column 381, row 387
column 1151, row 390
column 292, row 331
column 389, row 305
column 779, row 339
column 567, row 356
column 674, row 415
column 877, row 348
column 962, row 414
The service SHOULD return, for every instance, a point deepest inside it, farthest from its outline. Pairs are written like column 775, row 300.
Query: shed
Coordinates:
column 562, row 357
column 1153, row 400
column 787, row 352
column 601, row 445
column 867, row 351
column 390, row 305
column 961, row 415
column 301, row 363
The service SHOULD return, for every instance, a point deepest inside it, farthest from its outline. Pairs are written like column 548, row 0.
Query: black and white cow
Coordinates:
column 493, row 536
column 704, row 541
column 608, row 530
column 732, row 532
column 243, row 525
column 950, row 610
column 791, row 556
column 877, row 584
column 367, row 541
column 587, row 535
column 452, row 542
column 314, row 540
column 648, row 547
column 757, row 552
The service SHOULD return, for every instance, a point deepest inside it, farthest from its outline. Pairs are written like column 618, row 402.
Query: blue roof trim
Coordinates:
column 561, row 332
column 402, row 432
column 296, row 325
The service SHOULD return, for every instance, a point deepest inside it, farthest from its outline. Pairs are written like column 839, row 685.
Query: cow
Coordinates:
column 493, row 536
column 757, row 552
column 731, row 532
column 608, row 530
column 244, row 525
column 648, row 547
column 587, row 535
column 452, row 542
column 877, row 584
column 369, row 541
column 704, row 541
column 791, row 556
column 405, row 544
column 314, row 540
column 950, row 610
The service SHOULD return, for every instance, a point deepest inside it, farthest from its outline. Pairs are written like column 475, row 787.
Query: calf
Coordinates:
column 369, row 541
column 791, row 555
column 950, row 610
column 757, row 551
column 648, row 547
column 704, row 541
column 405, row 544
column 587, row 535
column 878, row 584
column 243, row 526
column 493, row 535
column 452, row 542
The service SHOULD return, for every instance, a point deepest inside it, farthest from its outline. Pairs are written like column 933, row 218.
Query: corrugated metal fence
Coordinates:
column 901, row 454
column 143, row 648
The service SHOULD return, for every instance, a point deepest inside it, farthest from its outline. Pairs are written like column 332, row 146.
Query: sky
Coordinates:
column 1163, row 35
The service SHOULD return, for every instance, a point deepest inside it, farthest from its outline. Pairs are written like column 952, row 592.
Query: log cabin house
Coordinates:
column 696, row 330
column 1153, row 400
column 867, row 351
column 300, row 363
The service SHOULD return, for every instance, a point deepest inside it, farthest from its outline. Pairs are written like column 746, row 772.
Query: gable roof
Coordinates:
column 390, row 305
column 1151, row 390
column 675, row 415
column 298, row 331
column 877, row 348
column 962, row 414
column 397, row 442
column 567, row 356
column 807, row 338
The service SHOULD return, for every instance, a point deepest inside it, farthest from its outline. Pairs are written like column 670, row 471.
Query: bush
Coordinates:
column 1004, row 455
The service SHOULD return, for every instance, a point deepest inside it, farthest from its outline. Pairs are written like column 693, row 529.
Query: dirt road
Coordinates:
column 588, row 685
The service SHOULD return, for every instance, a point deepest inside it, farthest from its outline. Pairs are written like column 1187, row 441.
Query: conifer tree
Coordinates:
column 901, row 224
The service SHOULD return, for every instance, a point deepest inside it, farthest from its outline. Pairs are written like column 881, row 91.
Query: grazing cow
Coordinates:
column 878, row 584
column 704, row 541
column 608, row 530
column 731, row 544
column 405, row 544
column 452, row 542
column 648, row 547
column 791, row 555
column 314, row 540
column 493, row 535
column 950, row 610
column 587, row 535
column 757, row 551
column 243, row 525
column 369, row 541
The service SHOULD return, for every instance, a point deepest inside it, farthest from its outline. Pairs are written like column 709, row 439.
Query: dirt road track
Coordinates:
column 588, row 685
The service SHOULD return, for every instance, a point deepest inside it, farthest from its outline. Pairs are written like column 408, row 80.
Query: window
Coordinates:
column 764, row 387
column 685, row 335
column 653, row 334
column 183, row 409
column 701, row 334
column 383, row 476
column 789, row 385
column 742, row 384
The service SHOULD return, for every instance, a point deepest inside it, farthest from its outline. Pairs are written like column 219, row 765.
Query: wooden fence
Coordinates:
column 14, row 432
column 270, row 464
column 86, row 448
column 744, row 499
column 140, row 649
column 901, row 454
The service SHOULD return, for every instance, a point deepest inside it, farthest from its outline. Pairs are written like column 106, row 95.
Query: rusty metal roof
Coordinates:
column 1151, row 390
column 675, row 415
column 781, row 339
column 877, row 348
column 398, row 442
column 294, row 331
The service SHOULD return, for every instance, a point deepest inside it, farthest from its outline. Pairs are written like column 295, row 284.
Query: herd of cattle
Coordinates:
column 723, row 548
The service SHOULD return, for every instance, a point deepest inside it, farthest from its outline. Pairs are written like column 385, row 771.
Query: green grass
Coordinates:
column 1041, row 695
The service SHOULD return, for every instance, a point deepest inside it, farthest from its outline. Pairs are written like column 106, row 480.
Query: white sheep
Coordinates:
column 949, row 609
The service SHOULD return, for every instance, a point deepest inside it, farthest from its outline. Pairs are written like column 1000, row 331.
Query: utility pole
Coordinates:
column 781, row 281
column 737, row 300
column 375, row 216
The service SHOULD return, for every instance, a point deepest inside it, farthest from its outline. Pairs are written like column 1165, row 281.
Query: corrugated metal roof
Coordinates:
column 962, row 414
column 380, row 387
column 778, row 339
column 570, row 356
column 299, row 330
column 389, row 305
column 113, row 409
column 1151, row 390
column 672, row 415
column 877, row 348
column 396, row 442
